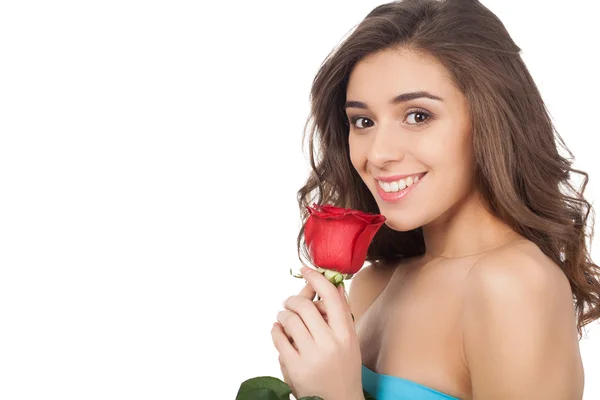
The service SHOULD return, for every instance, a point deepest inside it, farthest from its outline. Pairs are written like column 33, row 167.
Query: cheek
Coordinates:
column 457, row 166
column 357, row 158
column 450, row 157
column 450, row 150
column 434, row 153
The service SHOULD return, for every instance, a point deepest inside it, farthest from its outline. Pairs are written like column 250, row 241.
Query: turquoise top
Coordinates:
column 389, row 387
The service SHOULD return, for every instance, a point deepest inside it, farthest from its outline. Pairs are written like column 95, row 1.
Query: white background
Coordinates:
column 150, row 154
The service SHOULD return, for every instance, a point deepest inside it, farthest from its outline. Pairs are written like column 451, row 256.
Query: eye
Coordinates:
column 420, row 117
column 353, row 121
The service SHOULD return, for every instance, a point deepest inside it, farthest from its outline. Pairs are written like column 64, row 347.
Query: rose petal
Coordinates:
column 338, row 238
column 361, row 247
column 330, row 242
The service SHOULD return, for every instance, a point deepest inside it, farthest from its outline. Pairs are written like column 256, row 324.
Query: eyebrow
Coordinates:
column 398, row 99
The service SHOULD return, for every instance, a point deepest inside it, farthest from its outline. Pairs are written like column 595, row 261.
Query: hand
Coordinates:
column 319, row 354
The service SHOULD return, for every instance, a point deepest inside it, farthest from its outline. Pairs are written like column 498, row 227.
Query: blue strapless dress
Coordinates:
column 388, row 387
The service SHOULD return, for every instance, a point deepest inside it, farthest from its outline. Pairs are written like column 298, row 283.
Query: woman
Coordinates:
column 481, row 279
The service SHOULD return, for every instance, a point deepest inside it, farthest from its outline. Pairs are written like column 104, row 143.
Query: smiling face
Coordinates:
column 425, row 135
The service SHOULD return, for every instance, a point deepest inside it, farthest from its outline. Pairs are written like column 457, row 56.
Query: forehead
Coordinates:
column 385, row 74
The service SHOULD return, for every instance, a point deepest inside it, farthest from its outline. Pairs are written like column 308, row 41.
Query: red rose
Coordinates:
column 338, row 238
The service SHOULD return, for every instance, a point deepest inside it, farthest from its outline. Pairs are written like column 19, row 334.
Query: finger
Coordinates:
column 311, row 316
column 321, row 307
column 291, row 339
column 289, row 336
column 282, row 344
column 308, row 291
column 295, row 327
column 286, row 375
column 334, row 305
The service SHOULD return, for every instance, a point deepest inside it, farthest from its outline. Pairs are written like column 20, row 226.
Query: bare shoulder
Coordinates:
column 519, row 269
column 366, row 286
column 518, row 304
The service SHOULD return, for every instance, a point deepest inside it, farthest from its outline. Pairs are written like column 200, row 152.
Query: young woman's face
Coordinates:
column 424, row 135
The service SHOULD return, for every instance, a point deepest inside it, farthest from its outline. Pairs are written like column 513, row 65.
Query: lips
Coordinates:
column 392, row 197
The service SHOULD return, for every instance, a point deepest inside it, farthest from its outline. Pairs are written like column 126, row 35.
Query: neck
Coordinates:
column 465, row 230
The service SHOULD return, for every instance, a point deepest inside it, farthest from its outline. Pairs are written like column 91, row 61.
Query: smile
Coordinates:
column 395, row 190
column 400, row 184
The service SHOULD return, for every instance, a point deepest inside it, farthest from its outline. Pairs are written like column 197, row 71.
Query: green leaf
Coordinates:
column 258, row 394
column 279, row 387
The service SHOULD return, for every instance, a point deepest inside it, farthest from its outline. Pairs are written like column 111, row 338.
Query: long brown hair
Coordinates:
column 519, row 171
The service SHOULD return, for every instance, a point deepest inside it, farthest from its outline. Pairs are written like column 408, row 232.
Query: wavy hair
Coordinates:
column 519, row 171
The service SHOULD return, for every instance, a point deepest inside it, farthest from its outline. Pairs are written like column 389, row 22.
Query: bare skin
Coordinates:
column 483, row 314
column 408, row 321
column 407, row 333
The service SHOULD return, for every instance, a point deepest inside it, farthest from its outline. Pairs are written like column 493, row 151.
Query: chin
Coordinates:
column 402, row 226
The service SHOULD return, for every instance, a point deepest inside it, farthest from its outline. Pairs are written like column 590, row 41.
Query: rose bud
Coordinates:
column 338, row 239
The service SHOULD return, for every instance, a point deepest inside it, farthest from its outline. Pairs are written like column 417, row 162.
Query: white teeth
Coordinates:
column 399, row 184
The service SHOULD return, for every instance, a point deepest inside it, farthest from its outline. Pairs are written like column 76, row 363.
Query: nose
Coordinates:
column 386, row 146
